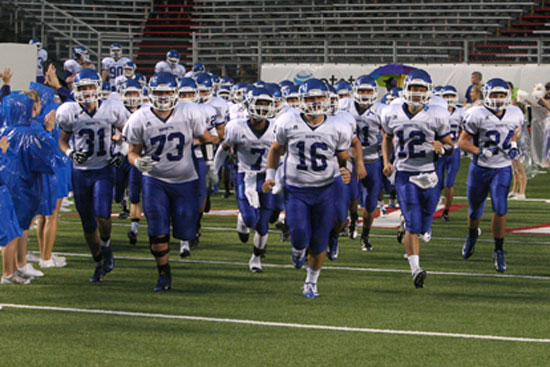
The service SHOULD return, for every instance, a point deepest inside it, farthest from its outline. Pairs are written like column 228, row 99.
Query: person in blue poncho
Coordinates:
column 33, row 156
column 54, row 186
column 9, row 226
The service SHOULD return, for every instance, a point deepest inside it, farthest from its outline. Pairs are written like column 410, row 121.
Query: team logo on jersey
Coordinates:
column 295, row 127
column 148, row 124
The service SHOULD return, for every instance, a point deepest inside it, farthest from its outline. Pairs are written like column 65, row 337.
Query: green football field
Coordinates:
column 220, row 314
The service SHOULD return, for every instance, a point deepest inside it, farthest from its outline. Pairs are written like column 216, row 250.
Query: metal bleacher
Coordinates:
column 253, row 32
column 95, row 24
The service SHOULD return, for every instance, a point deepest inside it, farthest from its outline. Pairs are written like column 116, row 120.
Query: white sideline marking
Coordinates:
column 231, row 229
column 345, row 268
column 279, row 324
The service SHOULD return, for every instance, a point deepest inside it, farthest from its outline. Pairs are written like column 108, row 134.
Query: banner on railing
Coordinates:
column 523, row 76
column 22, row 60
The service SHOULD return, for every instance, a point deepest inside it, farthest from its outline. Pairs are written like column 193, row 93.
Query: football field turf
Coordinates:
column 220, row 314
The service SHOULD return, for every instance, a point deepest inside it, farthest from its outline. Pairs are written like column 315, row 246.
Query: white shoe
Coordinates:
column 66, row 202
column 59, row 259
column 29, row 270
column 64, row 209
column 519, row 197
column 426, row 237
column 255, row 264
column 51, row 263
column 383, row 212
column 512, row 195
column 31, row 257
column 14, row 279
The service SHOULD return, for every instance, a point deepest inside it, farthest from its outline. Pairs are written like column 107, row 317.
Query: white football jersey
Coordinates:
column 440, row 101
column 119, row 80
column 455, row 122
column 72, row 67
column 92, row 134
column 209, row 118
column 490, row 130
column 115, row 68
column 178, row 70
column 251, row 146
column 42, row 57
column 168, row 142
column 413, row 135
column 237, row 111
column 222, row 110
column 310, row 149
column 368, row 126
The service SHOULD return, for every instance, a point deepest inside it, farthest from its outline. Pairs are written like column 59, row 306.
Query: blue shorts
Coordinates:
column 121, row 181
column 9, row 225
column 134, row 185
column 373, row 185
column 165, row 203
column 417, row 205
column 481, row 182
column 341, row 193
column 200, row 167
column 447, row 167
column 310, row 216
column 252, row 217
column 93, row 194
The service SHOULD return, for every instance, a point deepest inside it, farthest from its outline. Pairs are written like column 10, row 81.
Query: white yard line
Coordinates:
column 279, row 324
column 328, row 267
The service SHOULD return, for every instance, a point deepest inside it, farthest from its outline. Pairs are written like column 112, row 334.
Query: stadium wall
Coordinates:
column 523, row 76
column 21, row 59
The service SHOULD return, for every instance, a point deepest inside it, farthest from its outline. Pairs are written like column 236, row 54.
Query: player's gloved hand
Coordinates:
column 78, row 157
column 488, row 152
column 144, row 164
column 513, row 153
column 116, row 160
column 211, row 178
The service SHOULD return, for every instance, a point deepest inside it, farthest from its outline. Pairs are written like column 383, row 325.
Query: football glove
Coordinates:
column 116, row 160
column 78, row 157
column 513, row 153
column 488, row 152
column 144, row 164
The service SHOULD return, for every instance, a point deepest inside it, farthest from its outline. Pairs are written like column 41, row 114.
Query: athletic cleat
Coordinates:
column 365, row 244
column 164, row 283
column 392, row 204
column 333, row 248
column 401, row 231
column 418, row 278
column 353, row 226
column 207, row 205
column 500, row 263
column 255, row 264
column 108, row 259
column 132, row 236
column 99, row 273
column 469, row 247
column 242, row 229
column 298, row 258
column 310, row 290
column 226, row 195
column 383, row 211
column 426, row 237
column 445, row 217
column 185, row 250
column 194, row 242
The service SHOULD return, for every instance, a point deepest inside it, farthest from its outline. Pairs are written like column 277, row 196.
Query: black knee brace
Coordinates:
column 154, row 240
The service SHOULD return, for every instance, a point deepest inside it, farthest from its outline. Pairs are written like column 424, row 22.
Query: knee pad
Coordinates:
column 153, row 240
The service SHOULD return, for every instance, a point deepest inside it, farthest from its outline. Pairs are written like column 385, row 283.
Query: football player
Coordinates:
column 417, row 131
column 251, row 139
column 447, row 166
column 112, row 67
column 197, row 68
column 42, row 57
column 171, row 65
column 128, row 73
column 90, row 121
column 311, row 139
column 493, row 128
column 161, row 140
column 367, row 114
column 74, row 65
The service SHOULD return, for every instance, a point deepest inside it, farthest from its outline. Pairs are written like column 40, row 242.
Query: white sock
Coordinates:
column 260, row 242
column 312, row 275
column 105, row 243
column 134, row 227
column 414, row 262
